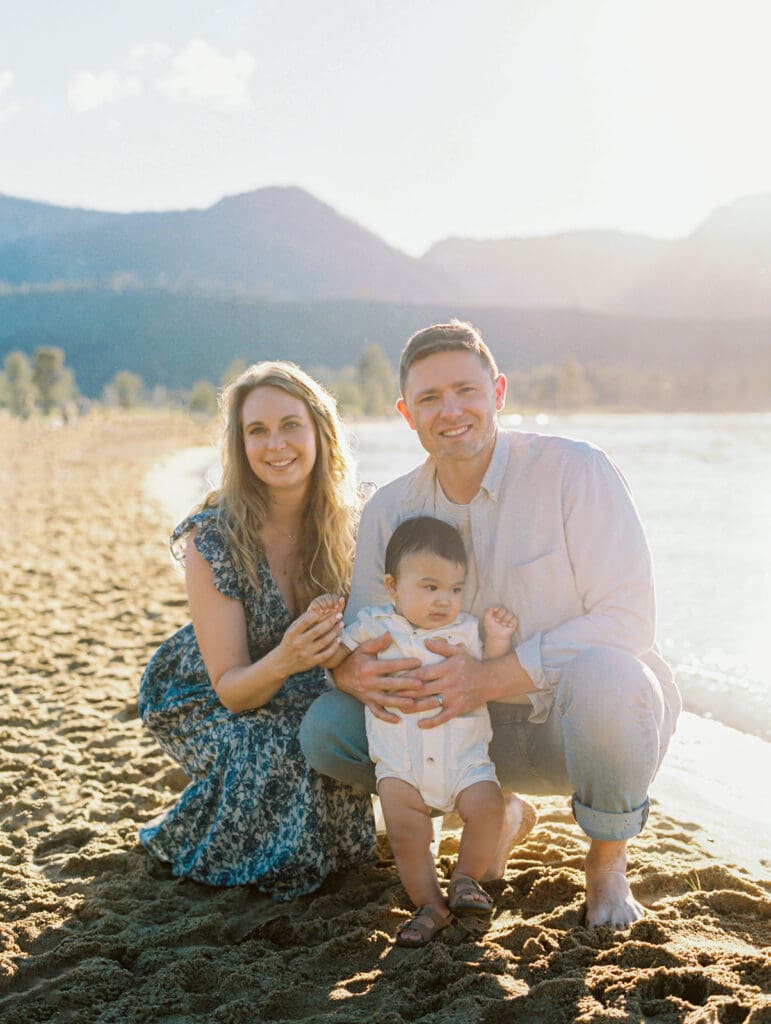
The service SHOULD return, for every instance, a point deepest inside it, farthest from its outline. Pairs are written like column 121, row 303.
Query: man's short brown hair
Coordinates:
column 456, row 336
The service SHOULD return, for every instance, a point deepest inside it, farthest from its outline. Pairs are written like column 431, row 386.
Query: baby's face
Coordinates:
column 428, row 590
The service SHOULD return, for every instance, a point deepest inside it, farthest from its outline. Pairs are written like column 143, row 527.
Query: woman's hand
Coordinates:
column 220, row 627
column 313, row 637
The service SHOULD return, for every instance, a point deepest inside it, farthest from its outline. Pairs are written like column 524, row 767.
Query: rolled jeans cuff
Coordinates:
column 609, row 825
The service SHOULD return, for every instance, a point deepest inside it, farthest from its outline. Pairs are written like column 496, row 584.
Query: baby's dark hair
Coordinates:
column 424, row 534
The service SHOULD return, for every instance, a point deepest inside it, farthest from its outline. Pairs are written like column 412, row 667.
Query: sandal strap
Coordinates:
column 426, row 931
column 464, row 885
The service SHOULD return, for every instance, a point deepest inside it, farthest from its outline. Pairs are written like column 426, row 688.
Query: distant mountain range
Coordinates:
column 277, row 274
column 276, row 243
column 283, row 244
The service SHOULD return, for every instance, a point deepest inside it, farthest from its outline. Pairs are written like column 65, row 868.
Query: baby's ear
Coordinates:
column 390, row 584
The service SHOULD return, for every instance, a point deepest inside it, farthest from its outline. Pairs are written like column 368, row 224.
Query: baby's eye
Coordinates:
column 431, row 587
column 457, row 590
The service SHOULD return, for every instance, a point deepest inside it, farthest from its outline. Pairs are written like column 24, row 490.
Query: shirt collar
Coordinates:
column 493, row 478
column 423, row 481
column 387, row 611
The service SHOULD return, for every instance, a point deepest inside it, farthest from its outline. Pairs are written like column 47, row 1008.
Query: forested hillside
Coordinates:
column 173, row 339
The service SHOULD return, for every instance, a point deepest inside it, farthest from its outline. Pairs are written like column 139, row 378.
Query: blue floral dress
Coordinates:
column 254, row 812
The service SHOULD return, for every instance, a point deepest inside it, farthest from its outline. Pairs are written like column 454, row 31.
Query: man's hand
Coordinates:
column 376, row 682
column 454, row 686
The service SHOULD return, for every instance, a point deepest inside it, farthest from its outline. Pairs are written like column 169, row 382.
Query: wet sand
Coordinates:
column 92, row 930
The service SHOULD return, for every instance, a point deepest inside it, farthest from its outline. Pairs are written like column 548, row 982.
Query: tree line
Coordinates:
column 43, row 383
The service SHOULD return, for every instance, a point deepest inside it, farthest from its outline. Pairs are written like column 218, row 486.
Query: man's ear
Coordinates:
column 401, row 405
column 500, row 392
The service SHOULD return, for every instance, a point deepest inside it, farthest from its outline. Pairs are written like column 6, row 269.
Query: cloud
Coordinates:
column 201, row 74
column 7, row 110
column 198, row 73
column 145, row 54
column 88, row 91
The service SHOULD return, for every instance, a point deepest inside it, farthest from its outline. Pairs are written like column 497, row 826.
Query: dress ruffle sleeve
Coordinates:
column 227, row 578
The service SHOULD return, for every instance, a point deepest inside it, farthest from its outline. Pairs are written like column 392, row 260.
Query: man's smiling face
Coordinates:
column 451, row 399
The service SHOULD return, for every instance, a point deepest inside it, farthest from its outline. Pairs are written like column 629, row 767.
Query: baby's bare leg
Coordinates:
column 519, row 817
column 481, row 808
column 408, row 823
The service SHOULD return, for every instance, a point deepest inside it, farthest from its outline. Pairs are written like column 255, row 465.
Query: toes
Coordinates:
column 613, row 916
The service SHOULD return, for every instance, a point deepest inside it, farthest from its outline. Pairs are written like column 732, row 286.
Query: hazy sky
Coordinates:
column 417, row 118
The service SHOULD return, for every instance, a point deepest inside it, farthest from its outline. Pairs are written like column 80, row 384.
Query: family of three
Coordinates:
column 494, row 637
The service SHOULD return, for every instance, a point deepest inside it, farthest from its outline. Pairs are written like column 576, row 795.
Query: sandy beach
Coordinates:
column 92, row 930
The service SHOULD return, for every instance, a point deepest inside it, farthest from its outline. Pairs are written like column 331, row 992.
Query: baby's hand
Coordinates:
column 326, row 604
column 499, row 623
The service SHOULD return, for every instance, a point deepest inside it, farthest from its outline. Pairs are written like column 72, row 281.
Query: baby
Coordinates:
column 447, row 767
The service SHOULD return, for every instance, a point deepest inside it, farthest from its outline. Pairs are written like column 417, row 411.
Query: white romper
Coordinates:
column 440, row 763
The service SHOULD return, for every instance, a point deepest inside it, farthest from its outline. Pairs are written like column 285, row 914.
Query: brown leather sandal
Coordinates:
column 466, row 896
column 426, row 931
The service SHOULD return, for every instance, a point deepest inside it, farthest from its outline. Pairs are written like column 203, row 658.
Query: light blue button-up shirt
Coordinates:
column 556, row 539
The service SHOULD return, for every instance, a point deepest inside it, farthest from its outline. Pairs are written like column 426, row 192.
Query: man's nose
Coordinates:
column 450, row 405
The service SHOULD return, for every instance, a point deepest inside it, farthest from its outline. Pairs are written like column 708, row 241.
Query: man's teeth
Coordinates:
column 455, row 431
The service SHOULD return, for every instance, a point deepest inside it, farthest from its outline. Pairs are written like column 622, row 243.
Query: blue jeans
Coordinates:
column 603, row 741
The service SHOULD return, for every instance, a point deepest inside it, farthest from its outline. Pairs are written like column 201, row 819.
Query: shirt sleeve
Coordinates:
column 364, row 627
column 612, row 570
column 375, row 528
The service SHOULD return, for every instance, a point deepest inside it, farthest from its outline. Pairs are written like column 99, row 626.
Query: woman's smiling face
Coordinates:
column 279, row 438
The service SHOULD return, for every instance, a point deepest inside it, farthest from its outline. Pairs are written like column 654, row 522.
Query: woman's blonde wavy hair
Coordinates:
column 333, row 507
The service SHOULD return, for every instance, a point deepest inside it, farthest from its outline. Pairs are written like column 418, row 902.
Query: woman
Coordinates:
column 226, row 694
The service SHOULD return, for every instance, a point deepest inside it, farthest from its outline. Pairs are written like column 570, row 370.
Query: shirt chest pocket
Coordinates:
column 545, row 593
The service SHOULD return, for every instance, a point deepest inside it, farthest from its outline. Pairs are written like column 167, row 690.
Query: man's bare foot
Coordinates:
column 519, row 816
column 609, row 899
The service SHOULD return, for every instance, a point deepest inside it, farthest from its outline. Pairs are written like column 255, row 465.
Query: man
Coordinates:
column 583, row 704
